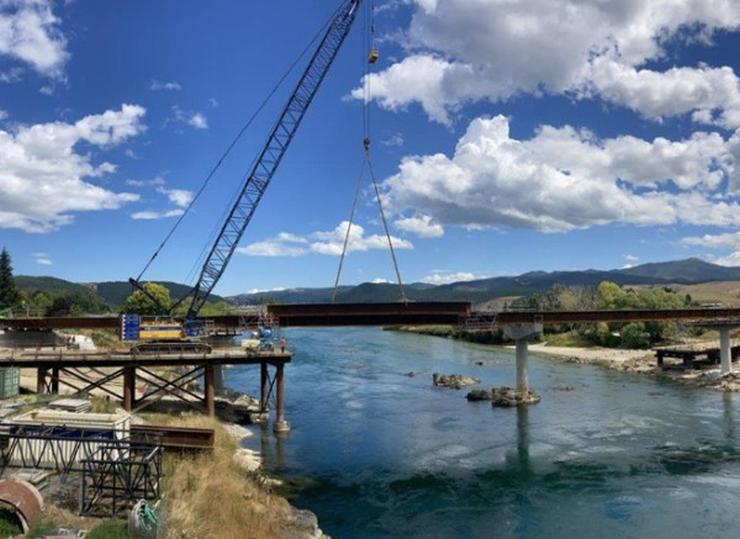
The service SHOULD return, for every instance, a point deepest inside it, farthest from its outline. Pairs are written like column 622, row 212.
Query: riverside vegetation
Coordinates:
column 606, row 296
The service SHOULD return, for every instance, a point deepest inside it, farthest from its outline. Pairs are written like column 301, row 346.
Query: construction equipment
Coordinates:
column 261, row 173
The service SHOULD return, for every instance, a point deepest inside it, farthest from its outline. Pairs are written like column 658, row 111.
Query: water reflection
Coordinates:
column 522, row 440
column 390, row 456
column 728, row 414
column 272, row 448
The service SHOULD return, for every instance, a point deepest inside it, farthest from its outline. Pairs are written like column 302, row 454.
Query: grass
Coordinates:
column 569, row 338
column 102, row 405
column 41, row 527
column 210, row 496
column 9, row 525
column 439, row 330
column 103, row 338
column 109, row 529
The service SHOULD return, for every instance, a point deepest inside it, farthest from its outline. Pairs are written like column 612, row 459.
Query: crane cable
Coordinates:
column 238, row 136
column 358, row 190
column 368, row 162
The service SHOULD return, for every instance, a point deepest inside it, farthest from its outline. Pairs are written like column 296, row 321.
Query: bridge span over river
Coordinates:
column 520, row 326
column 385, row 314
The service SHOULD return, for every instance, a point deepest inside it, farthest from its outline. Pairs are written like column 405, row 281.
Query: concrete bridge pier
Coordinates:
column 724, row 328
column 520, row 334
column 725, row 352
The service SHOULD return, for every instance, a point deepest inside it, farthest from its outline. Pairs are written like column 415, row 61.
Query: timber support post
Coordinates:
column 210, row 389
column 281, row 425
column 55, row 380
column 41, row 380
column 264, row 387
column 129, row 388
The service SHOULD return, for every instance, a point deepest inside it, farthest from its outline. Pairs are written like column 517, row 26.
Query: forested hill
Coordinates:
column 692, row 270
column 112, row 293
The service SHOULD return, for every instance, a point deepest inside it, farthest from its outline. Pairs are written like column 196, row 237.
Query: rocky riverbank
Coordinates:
column 632, row 361
column 639, row 362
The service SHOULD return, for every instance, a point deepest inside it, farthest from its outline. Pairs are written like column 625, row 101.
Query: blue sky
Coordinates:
column 508, row 137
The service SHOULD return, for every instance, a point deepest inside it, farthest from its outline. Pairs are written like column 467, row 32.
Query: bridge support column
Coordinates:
column 520, row 334
column 218, row 379
column 129, row 388
column 725, row 353
column 264, row 387
column 522, row 355
column 210, row 389
column 55, row 380
column 41, row 380
column 281, row 425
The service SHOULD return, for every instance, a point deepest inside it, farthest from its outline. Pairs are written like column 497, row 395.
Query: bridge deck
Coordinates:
column 381, row 314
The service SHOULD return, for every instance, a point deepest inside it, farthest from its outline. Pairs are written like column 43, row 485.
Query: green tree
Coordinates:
column 635, row 336
column 8, row 289
column 61, row 306
column 140, row 303
column 40, row 301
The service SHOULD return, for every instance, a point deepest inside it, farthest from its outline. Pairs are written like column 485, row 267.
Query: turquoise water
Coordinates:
column 389, row 455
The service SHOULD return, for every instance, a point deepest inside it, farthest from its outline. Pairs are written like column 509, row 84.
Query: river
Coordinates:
column 604, row 454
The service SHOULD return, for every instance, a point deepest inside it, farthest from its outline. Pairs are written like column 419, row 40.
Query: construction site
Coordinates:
column 140, row 431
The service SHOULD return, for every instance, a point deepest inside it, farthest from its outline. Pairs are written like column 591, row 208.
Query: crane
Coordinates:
column 267, row 162
column 270, row 157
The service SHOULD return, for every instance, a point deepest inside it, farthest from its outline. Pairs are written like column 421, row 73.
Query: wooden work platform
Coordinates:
column 87, row 371
column 692, row 354
column 25, row 358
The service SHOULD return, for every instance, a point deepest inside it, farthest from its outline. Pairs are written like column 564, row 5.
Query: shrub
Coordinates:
column 634, row 336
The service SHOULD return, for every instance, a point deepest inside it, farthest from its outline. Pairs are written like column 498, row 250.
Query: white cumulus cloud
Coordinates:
column 192, row 118
column 179, row 197
column 447, row 277
column 171, row 86
column 463, row 50
column 31, row 33
column 198, row 121
column 421, row 225
column 150, row 215
column 323, row 242
column 42, row 258
column 45, row 179
column 728, row 243
column 563, row 179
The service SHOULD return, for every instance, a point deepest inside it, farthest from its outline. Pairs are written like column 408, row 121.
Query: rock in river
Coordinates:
column 507, row 396
column 453, row 381
column 478, row 395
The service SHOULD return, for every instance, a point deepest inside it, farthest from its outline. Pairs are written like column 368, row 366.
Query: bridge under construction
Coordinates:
column 519, row 326
column 386, row 314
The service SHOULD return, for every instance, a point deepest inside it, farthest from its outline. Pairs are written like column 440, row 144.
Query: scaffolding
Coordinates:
column 114, row 480
column 55, row 447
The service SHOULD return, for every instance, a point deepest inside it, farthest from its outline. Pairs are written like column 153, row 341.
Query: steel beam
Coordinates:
column 381, row 314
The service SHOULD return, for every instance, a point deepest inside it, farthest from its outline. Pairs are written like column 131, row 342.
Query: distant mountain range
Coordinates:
column 689, row 271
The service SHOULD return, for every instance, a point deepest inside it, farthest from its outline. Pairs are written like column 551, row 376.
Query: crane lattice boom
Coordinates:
column 269, row 159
